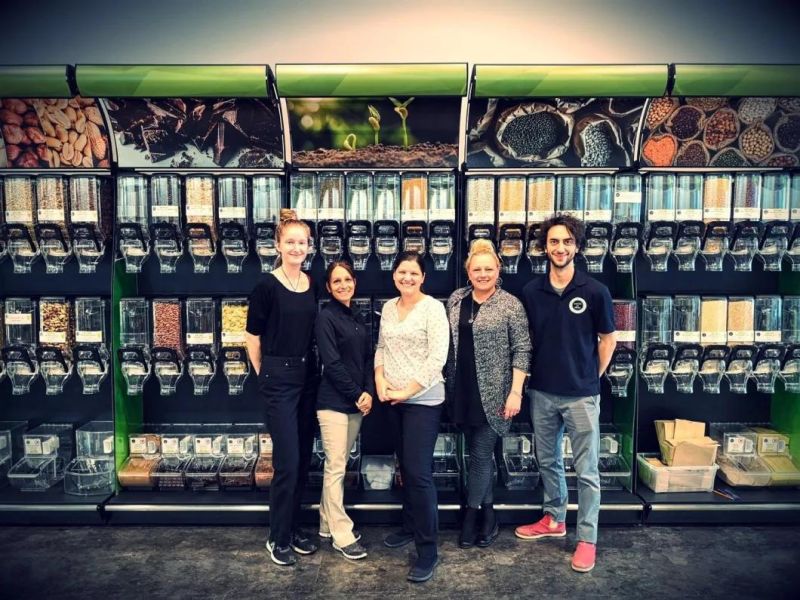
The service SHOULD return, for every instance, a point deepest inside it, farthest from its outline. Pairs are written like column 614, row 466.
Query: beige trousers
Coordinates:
column 339, row 432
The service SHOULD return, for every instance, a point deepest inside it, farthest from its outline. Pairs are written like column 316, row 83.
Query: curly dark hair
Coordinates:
column 573, row 225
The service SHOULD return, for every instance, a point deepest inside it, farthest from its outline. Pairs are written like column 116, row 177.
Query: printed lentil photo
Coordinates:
column 412, row 132
column 557, row 132
column 722, row 132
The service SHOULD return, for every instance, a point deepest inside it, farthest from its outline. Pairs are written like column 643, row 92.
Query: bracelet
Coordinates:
column 516, row 393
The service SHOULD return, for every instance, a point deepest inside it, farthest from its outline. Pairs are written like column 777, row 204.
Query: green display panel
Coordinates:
column 312, row 81
column 164, row 81
column 737, row 80
column 42, row 81
column 556, row 81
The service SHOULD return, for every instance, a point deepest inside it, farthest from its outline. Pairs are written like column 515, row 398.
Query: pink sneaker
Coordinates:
column 547, row 526
column 583, row 559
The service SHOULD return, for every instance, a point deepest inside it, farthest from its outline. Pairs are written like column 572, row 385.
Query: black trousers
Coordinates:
column 288, row 390
column 416, row 428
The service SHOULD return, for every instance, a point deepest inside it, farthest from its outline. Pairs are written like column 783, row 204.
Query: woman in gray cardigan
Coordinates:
column 485, row 370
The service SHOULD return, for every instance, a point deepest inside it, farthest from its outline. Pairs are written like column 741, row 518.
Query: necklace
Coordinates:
column 472, row 310
column 294, row 285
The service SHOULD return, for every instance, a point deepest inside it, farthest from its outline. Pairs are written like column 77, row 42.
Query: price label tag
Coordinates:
column 83, row 216
column 52, row 337
column 199, row 210
column 233, row 337
column 202, row 445
column 661, row 214
column 89, row 337
column 768, row 336
column 717, row 214
column 687, row 337
column 775, row 214
column 741, row 335
column 231, row 213
column 746, row 212
column 33, row 446
column 19, row 216
column 235, row 445
column 449, row 214
column 199, row 339
column 265, row 443
column 537, row 216
column 597, row 215
column 689, row 214
column 108, row 445
column 628, row 198
column 165, row 211
column 334, row 214
column 51, row 214
column 170, row 445
column 137, row 445
column 735, row 445
column 18, row 318
column 628, row 335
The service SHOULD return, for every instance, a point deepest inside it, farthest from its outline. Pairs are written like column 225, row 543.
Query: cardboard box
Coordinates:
column 684, row 443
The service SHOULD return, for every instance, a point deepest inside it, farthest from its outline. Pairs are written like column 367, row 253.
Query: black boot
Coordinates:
column 489, row 527
column 467, row 537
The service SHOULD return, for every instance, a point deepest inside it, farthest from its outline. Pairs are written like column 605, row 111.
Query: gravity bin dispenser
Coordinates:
column 134, row 335
column 166, row 222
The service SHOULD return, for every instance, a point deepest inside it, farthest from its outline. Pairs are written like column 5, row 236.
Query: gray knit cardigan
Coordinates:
column 502, row 342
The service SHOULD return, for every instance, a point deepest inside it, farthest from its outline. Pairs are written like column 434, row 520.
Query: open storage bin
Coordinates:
column 176, row 451
column 445, row 462
column 377, row 471
column 86, row 476
column 745, row 471
column 236, row 470
column 137, row 470
column 264, row 469
column 519, row 468
column 36, row 473
column 661, row 478
column 202, row 472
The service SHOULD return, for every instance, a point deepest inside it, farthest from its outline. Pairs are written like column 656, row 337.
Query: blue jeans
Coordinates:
column 581, row 417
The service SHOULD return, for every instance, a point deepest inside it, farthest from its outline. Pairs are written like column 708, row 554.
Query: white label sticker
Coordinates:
column 511, row 216
column 741, row 335
column 714, row 337
column 687, row 337
column 235, row 445
column 199, row 210
column 202, row 445
column 170, row 445
column 449, row 214
column 795, row 214
column 265, row 443
column 334, row 214
column 775, row 214
column 108, row 444
column 89, row 337
column 165, row 211
column 627, row 335
column 305, row 213
column 537, row 216
column 735, row 444
column 237, row 212
column 199, row 339
column 628, row 198
column 83, row 216
column 18, row 319
column 138, row 445
column 526, row 446
column 660, row 214
column 771, row 444
column 415, row 214
column 717, row 214
column 597, row 215
column 476, row 216
column 51, row 214
column 746, row 212
column 33, row 446
column 19, row 216
column 233, row 337
column 52, row 337
column 689, row 214
column 768, row 336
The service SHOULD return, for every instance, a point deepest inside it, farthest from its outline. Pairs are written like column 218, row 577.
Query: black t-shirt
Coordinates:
column 282, row 318
column 468, row 405
column 564, row 331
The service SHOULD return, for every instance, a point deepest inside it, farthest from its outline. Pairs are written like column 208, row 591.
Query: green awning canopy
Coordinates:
column 172, row 81
column 378, row 80
column 40, row 81
column 557, row 81
column 737, row 80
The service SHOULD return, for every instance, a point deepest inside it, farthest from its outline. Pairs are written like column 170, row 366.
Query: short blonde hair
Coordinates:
column 479, row 247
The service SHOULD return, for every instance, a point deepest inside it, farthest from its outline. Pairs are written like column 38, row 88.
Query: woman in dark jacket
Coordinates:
column 485, row 375
column 344, row 397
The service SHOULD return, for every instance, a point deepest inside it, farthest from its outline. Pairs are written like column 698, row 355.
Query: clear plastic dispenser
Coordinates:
column 740, row 367
column 686, row 366
column 144, row 454
column 166, row 224
column 3, row 241
column 52, row 226
column 177, row 449
column 132, row 221
column 235, row 364
column 19, row 352
column 387, row 218
column 168, row 350
column 56, row 339
column 20, row 220
column 627, row 220
column 134, row 335
column 202, row 472
column 237, row 469
column 445, row 462
column 519, row 468
column 201, row 342
column 201, row 224
column 713, row 364
column 91, row 349
column 91, row 472
column 775, row 212
column 304, row 194
column 744, row 244
column 264, row 468
column 377, row 472
column 572, row 195
column 232, row 217
column 87, row 220
column 480, row 209
column 656, row 365
column 442, row 217
column 267, row 200
column 620, row 370
column 657, row 320
column 768, row 314
column 511, row 192
column 689, row 216
column 599, row 211
column 790, row 369
column 661, row 220
column 359, row 226
column 48, row 449
column 767, row 367
column 614, row 470
column 331, row 213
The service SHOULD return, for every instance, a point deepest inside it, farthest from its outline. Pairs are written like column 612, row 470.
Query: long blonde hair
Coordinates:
column 479, row 247
column 288, row 219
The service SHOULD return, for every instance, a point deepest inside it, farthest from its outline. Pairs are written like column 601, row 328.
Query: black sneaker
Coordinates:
column 280, row 556
column 354, row 551
column 422, row 570
column 398, row 539
column 302, row 544
column 328, row 537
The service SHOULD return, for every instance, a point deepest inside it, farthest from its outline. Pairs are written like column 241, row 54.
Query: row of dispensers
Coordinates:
column 666, row 216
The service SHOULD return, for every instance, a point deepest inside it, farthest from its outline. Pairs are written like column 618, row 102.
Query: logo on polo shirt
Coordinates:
column 577, row 306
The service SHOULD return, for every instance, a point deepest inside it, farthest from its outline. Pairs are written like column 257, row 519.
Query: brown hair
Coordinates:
column 339, row 263
column 575, row 226
column 289, row 218
column 481, row 246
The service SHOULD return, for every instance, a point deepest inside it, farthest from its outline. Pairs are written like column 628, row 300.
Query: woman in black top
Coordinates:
column 344, row 397
column 280, row 327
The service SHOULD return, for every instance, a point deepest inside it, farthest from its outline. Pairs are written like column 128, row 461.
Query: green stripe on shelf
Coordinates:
column 548, row 81
column 737, row 80
column 168, row 81
column 312, row 81
column 42, row 81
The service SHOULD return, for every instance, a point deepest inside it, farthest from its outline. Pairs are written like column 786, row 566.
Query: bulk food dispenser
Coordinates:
column 442, row 219
column 775, row 212
column 414, row 212
column 91, row 345
column 19, row 352
column 541, row 206
column 168, row 349
column 511, row 193
column 56, row 339
column 627, row 220
column 232, row 218
column 480, row 209
column 386, row 230
column 235, row 364
column 201, row 343
column 661, row 226
column 20, row 220
column 52, row 231
column 598, row 215
column 134, row 336
column 201, row 225
column 166, row 223
column 330, row 212
column 87, row 220
column 717, row 214
column 267, row 199
column 689, row 218
column 358, row 226
column 304, row 194
column 133, row 230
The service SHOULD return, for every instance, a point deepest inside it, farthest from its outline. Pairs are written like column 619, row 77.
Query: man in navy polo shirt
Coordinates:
column 571, row 320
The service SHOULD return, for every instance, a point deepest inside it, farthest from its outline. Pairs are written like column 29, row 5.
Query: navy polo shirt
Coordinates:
column 564, row 334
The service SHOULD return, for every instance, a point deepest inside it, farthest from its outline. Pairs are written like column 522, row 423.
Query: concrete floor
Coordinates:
column 230, row 562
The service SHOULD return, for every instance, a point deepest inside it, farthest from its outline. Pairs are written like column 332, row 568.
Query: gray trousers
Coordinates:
column 481, row 441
